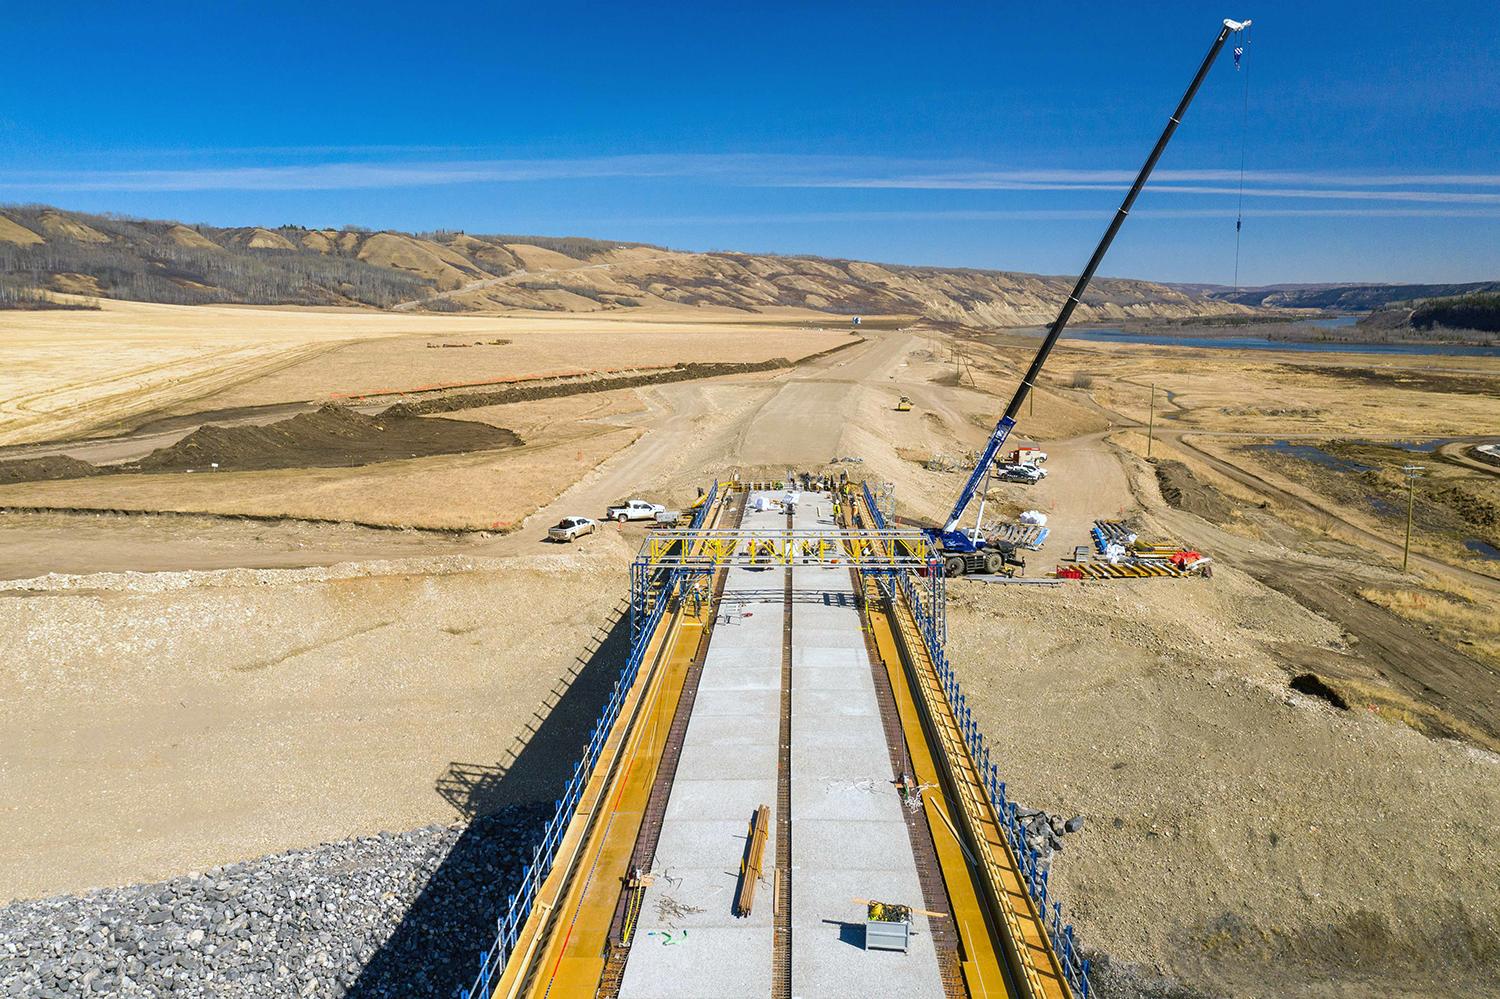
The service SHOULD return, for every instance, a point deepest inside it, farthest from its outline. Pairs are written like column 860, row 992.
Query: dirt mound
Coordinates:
column 1181, row 488
column 55, row 466
column 528, row 393
column 331, row 437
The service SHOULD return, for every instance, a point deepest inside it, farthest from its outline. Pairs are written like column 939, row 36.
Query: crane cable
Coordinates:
column 1242, row 42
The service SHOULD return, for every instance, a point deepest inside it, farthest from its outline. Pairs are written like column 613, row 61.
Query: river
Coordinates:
column 1106, row 335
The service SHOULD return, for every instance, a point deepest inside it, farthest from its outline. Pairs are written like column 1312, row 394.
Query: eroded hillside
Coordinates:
column 45, row 249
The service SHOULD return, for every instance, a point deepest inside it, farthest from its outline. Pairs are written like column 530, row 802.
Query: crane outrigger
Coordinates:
column 966, row 550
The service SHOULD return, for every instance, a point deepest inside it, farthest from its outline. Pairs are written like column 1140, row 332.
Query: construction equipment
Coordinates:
column 683, row 517
column 887, row 926
column 1121, row 555
column 904, row 406
column 1031, row 536
column 963, row 550
column 1027, row 456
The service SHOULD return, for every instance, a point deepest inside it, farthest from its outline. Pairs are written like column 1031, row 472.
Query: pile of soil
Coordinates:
column 528, row 393
column 55, row 466
column 1181, row 488
column 331, row 437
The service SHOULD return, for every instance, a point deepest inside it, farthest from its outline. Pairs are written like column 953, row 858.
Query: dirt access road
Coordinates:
column 803, row 423
column 724, row 425
column 1308, row 503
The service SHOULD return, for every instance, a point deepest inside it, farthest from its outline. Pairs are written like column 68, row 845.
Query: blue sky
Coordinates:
column 986, row 135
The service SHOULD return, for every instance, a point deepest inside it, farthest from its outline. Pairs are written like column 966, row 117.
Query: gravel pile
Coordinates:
column 398, row 914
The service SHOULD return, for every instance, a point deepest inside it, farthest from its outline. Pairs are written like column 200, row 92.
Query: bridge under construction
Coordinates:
column 786, row 794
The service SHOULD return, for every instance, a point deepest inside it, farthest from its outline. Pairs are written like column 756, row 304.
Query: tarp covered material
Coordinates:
column 1033, row 517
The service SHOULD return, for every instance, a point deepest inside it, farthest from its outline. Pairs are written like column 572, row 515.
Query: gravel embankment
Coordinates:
column 398, row 914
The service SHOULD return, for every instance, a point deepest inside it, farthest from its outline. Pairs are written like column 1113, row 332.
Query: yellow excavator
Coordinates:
column 904, row 406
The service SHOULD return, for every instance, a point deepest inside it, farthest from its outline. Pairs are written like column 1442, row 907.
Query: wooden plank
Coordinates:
column 753, row 861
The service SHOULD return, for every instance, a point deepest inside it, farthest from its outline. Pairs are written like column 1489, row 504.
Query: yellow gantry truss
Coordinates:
column 713, row 549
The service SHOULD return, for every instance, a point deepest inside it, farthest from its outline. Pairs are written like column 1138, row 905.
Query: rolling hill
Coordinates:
column 54, row 250
column 1336, row 297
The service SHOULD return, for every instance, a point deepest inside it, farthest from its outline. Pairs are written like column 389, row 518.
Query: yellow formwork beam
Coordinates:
column 709, row 549
column 1128, row 570
column 1033, row 961
column 1035, row 969
column 559, row 950
column 981, row 956
column 572, row 961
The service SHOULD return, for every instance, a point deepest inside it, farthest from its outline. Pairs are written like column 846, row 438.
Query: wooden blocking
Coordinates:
column 751, row 863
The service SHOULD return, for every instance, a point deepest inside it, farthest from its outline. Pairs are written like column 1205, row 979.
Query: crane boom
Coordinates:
column 1008, row 420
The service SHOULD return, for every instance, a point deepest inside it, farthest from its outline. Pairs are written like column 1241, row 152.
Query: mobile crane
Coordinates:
column 967, row 550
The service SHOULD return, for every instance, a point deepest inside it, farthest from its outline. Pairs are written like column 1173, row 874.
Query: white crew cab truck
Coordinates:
column 635, row 510
column 570, row 529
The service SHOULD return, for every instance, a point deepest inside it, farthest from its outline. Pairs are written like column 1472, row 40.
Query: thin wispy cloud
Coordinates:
column 355, row 176
column 1333, row 187
column 765, row 170
column 1004, row 179
column 1039, row 215
column 731, row 168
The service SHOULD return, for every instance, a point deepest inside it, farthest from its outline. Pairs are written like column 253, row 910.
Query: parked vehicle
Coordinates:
column 571, row 529
column 635, row 510
column 1029, row 474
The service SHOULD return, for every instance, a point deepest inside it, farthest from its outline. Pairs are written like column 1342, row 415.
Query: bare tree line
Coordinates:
column 143, row 262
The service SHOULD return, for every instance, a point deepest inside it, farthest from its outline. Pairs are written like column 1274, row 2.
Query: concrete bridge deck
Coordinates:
column 848, row 837
column 786, row 663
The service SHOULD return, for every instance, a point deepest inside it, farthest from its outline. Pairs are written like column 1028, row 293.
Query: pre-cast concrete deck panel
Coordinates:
column 849, row 838
column 688, row 943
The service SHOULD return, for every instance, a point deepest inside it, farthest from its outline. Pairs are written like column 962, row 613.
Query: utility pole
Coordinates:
column 1411, row 472
column 1151, row 421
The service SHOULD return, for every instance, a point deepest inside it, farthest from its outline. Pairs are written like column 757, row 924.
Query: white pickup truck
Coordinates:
column 636, row 510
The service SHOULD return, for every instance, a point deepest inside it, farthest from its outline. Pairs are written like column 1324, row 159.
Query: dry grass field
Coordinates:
column 1278, row 395
column 70, row 373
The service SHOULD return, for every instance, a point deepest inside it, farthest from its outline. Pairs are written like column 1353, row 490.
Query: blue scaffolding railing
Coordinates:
column 932, row 623
column 519, row 906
